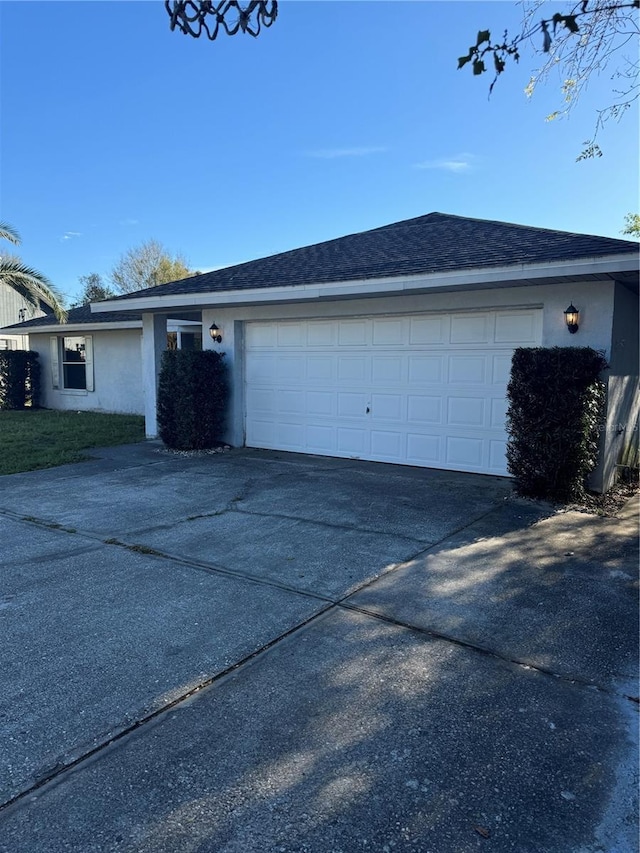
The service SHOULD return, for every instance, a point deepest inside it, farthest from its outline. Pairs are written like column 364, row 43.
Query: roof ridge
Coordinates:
column 498, row 222
column 432, row 242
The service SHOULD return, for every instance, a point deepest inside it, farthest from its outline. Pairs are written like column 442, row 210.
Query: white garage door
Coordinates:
column 424, row 390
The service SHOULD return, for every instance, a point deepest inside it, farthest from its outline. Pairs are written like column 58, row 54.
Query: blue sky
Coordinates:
column 341, row 117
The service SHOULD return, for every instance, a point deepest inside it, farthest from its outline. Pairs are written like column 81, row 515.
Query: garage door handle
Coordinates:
column 368, row 409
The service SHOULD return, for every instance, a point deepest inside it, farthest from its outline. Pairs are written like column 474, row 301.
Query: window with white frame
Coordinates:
column 72, row 362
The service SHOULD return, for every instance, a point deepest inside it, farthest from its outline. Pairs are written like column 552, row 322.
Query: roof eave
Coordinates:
column 57, row 328
column 471, row 279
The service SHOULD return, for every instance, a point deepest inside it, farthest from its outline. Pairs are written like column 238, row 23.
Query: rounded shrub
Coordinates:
column 19, row 379
column 556, row 407
column 193, row 393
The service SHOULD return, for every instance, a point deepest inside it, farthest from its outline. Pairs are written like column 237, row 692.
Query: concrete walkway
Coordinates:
column 256, row 651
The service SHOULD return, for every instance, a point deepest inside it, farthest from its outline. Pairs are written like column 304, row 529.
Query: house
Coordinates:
column 15, row 309
column 93, row 362
column 395, row 344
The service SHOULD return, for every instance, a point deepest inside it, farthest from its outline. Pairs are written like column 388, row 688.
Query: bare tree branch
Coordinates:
column 577, row 45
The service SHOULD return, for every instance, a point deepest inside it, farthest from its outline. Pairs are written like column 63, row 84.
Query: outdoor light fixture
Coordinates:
column 194, row 17
column 216, row 333
column 572, row 316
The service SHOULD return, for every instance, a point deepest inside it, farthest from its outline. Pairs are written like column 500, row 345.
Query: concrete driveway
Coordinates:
column 256, row 651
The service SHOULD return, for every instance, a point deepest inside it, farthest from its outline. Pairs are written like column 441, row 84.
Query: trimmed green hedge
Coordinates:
column 19, row 379
column 556, row 410
column 193, row 393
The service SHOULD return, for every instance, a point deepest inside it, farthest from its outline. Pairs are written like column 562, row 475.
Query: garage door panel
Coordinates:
column 426, row 390
column 497, row 453
column 321, row 439
column 387, row 445
column 261, row 433
column 321, row 334
column 471, row 329
column 352, row 333
column 465, row 411
column 387, row 368
column 291, row 402
column 290, row 369
column 352, row 404
column 501, row 369
column 260, row 335
column 291, row 435
column 465, row 452
column 498, row 413
column 465, row 369
column 424, row 449
column 352, row 441
column 517, row 327
column 388, row 407
column 389, row 332
column 353, row 368
column 261, row 370
column 429, row 330
column 424, row 410
column 426, row 369
column 321, row 368
column 291, row 334
column 261, row 401
column 321, row 403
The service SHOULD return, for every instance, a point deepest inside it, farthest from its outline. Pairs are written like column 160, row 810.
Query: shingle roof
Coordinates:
column 437, row 242
column 81, row 315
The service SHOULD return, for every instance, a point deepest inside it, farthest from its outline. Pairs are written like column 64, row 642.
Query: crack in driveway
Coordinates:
column 136, row 716
column 65, row 765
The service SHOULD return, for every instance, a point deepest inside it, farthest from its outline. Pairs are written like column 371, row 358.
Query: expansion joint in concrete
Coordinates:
column 233, row 507
column 63, row 766
column 575, row 680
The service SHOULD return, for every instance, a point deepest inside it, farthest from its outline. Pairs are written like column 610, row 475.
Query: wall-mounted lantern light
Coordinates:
column 216, row 333
column 572, row 317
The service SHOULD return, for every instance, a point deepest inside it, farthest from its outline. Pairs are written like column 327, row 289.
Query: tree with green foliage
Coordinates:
column 579, row 43
column 34, row 287
column 632, row 225
column 93, row 290
column 148, row 265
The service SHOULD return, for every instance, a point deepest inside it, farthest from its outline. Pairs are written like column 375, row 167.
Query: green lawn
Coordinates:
column 41, row 438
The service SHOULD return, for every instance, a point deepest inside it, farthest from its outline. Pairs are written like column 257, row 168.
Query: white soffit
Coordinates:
column 75, row 328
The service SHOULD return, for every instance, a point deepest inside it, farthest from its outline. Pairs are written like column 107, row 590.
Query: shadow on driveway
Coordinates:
column 267, row 652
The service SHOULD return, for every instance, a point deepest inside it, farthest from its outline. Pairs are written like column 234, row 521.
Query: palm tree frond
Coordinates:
column 7, row 232
column 33, row 286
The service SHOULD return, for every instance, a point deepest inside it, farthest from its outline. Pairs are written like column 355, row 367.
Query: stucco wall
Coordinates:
column 594, row 299
column 117, row 365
